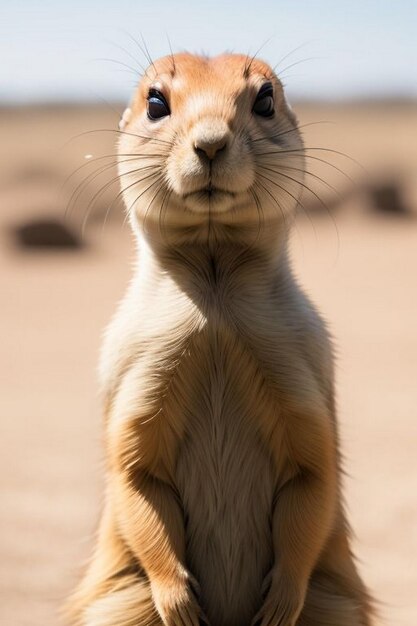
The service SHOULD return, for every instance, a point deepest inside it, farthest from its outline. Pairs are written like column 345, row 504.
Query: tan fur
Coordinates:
column 223, row 486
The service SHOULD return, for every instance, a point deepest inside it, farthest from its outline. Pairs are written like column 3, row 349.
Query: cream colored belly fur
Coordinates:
column 225, row 478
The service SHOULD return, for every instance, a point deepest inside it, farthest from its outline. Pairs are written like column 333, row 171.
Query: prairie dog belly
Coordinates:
column 225, row 478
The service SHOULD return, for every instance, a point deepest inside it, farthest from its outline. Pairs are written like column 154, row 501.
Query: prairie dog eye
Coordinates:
column 264, row 103
column 157, row 105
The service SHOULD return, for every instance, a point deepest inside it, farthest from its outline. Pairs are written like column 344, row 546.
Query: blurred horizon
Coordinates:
column 324, row 51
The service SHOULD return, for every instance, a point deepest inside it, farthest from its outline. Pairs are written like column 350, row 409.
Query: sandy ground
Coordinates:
column 359, row 267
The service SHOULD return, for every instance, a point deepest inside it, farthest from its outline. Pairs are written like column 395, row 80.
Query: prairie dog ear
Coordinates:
column 125, row 119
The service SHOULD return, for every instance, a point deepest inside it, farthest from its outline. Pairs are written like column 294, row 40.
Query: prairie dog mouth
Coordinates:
column 208, row 191
column 209, row 198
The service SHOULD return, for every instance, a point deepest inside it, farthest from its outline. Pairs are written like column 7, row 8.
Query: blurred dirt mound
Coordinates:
column 388, row 198
column 382, row 195
column 46, row 233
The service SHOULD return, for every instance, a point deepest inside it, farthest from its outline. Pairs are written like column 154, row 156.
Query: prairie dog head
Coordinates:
column 209, row 140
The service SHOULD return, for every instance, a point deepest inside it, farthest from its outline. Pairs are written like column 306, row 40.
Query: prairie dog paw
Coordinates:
column 282, row 605
column 176, row 604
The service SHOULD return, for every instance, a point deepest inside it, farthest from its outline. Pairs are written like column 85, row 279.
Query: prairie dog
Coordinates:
column 223, row 501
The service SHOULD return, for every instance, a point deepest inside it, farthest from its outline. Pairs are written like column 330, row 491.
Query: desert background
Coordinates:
column 61, row 277
column 358, row 262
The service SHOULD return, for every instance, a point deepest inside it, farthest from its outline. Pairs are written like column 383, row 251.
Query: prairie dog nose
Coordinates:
column 210, row 137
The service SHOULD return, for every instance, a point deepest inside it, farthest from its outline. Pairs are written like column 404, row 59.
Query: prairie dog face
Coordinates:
column 209, row 139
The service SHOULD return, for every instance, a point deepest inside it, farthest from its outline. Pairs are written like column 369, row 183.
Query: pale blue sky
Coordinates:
column 51, row 50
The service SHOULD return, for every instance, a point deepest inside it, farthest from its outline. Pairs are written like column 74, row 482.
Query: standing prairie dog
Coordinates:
column 223, row 502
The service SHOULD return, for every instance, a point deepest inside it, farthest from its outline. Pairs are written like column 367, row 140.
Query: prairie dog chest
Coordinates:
column 192, row 392
column 222, row 446
column 225, row 478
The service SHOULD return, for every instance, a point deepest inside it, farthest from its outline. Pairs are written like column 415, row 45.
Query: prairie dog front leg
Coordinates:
column 142, row 452
column 151, row 522
column 302, row 519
